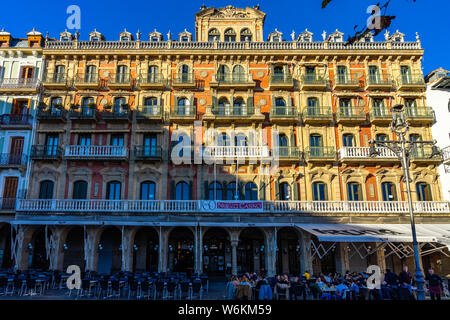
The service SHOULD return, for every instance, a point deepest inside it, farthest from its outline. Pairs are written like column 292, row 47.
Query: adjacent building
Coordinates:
column 107, row 191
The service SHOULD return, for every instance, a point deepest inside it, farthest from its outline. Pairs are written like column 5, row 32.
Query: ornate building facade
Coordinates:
column 106, row 192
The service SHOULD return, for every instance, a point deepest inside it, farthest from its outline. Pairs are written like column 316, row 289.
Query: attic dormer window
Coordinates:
column 125, row 38
column 184, row 39
column 154, row 38
column 307, row 39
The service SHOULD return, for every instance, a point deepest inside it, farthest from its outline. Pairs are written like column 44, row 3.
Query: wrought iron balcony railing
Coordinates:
column 230, row 111
column 46, row 152
column 13, row 160
column 320, row 153
column 350, row 113
column 147, row 153
column 149, row 112
column 283, row 112
column 19, row 83
column 16, row 120
column 51, row 114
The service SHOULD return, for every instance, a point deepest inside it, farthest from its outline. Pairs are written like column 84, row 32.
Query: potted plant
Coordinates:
column 74, row 106
column 42, row 106
column 92, row 105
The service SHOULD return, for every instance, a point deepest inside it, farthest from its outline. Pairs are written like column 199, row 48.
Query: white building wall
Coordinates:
column 439, row 99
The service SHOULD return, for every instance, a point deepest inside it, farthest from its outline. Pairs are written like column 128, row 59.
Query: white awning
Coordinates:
column 378, row 232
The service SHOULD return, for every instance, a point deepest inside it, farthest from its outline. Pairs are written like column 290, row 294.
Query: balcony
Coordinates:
column 380, row 115
column 120, row 81
column 148, row 153
column 183, row 113
column 96, row 153
column 13, row 161
column 411, row 82
column 8, row 204
column 87, row 81
column 149, row 113
column 302, row 208
column 362, row 154
column 313, row 82
column 320, row 154
column 116, row 115
column 423, row 155
column 346, row 82
column 284, row 114
column 46, row 153
column 350, row 115
column 233, row 80
column 317, row 115
column 183, row 81
column 379, row 82
column 22, row 85
column 16, row 121
column 51, row 115
column 233, row 153
column 55, row 81
column 152, row 81
column 420, row 115
column 287, row 154
column 84, row 114
column 281, row 82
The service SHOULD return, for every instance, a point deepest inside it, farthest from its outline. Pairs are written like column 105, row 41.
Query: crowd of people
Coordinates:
column 350, row 286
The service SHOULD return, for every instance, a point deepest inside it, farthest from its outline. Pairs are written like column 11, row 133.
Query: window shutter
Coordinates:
column 250, row 105
column 295, row 191
column 286, row 70
column 262, row 188
column 271, row 69
column 277, row 190
column 289, row 101
column 206, row 191
column 190, row 190
column 172, row 190
column 273, row 102
column 214, row 101
column 293, row 143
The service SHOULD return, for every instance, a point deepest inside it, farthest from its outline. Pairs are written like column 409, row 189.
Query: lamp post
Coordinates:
column 404, row 149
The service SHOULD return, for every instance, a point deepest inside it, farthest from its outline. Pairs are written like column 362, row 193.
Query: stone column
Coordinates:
column 127, row 248
column 24, row 237
column 163, row 249
column 305, row 250
column 197, row 251
column 381, row 260
column 342, row 259
column 234, row 241
column 270, row 245
column 56, row 256
column 91, row 248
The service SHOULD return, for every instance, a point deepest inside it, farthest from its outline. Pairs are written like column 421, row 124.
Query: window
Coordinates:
column 278, row 73
column 238, row 74
column 283, row 146
column 21, row 107
column 354, row 191
column 150, row 145
column 224, row 140
column 223, row 74
column 153, row 74
column 285, row 192
column 213, row 35
column 238, row 106
column 182, row 191
column 215, row 191
column 381, row 137
column 240, row 140
column 84, row 140
column 91, row 74
column 348, row 140
column 230, row 35
column 118, row 105
column 27, row 73
column 310, row 74
column 122, row 74
column 148, row 190
column 55, row 105
column 411, row 107
column 313, row 107
column 378, row 107
column 185, row 75
column 316, row 145
column 46, row 189
column 117, row 140
column 59, row 74
column 423, row 192
column 183, row 106
column 320, row 191
column 251, row 192
column 342, row 74
column 345, row 107
column 113, row 190
column 246, row 35
column 233, row 192
column 389, row 192
column 151, row 106
column 86, row 110
column 80, row 190
column 51, row 144
column 405, row 72
column 373, row 74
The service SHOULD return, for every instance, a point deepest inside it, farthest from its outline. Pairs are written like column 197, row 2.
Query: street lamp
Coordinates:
column 404, row 149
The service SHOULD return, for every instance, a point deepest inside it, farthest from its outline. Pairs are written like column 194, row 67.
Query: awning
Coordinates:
column 378, row 232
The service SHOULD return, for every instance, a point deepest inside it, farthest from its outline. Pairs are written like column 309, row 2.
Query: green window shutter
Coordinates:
column 172, row 190
column 206, row 191
column 250, row 109
column 214, row 101
column 277, row 190
column 295, row 191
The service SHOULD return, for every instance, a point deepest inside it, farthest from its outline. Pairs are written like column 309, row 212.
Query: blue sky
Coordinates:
column 429, row 18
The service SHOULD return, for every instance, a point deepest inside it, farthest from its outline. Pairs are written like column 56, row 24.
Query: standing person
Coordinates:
column 392, row 282
column 434, row 284
column 406, row 281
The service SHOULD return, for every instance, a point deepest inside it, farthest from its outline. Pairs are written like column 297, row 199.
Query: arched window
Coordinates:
column 46, row 189
column 151, row 101
column 59, row 76
column 238, row 106
column 118, row 103
column 389, row 192
column 183, row 106
column 381, row 137
column 184, row 76
column 182, row 191
column 148, row 190
column 423, row 192
column 348, row 140
column 345, row 107
column 91, row 74
column 316, row 145
column 246, row 35
column 122, row 74
column 80, row 190
column 283, row 145
column 320, row 191
column 280, row 102
column 213, row 35
column 224, row 140
column 233, row 193
column 113, row 190
column 285, row 191
column 230, row 35
column 153, row 74
column 215, row 191
column 313, row 107
column 240, row 140
column 251, row 192
column 86, row 110
column 239, row 74
column 223, row 73
column 354, row 191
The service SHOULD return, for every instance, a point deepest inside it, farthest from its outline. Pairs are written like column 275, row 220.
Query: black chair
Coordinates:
column 115, row 288
column 132, row 288
column 3, row 285
column 159, row 289
column 184, row 290
column 197, row 290
column 205, row 282
column 171, row 290
column 104, row 289
column 145, row 290
column 30, row 286
column 85, row 288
